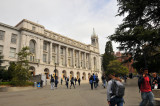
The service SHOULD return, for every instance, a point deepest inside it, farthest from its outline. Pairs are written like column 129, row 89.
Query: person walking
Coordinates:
column 79, row 81
column 94, row 80
column 67, row 80
column 61, row 81
column 72, row 82
column 91, row 82
column 104, row 81
column 75, row 80
column 114, row 94
column 41, row 83
column 56, row 81
column 52, row 83
column 144, row 83
column 156, row 81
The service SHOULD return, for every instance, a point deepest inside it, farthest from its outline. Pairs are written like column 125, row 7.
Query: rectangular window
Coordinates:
column 61, row 50
column 53, row 59
column 12, row 52
column 53, row 49
column 45, row 58
column 69, row 62
column 14, row 38
column 45, row 46
column 2, row 35
column 33, row 28
column 1, row 49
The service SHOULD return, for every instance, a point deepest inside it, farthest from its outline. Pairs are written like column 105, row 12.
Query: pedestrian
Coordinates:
column 56, row 81
column 115, row 91
column 61, row 81
column 41, row 83
column 72, row 82
column 52, row 83
column 79, row 81
column 144, row 83
column 75, row 80
column 156, row 81
column 94, row 81
column 67, row 80
column 104, row 81
column 91, row 82
column 97, row 80
column 125, row 78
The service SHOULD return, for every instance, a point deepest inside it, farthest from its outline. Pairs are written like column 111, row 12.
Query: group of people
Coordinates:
column 146, row 82
column 93, row 80
column 116, row 89
column 54, row 81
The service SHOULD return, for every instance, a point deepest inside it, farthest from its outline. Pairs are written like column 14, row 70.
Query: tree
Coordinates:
column 117, row 68
column 11, row 69
column 108, row 55
column 139, row 33
column 21, row 72
column 3, row 71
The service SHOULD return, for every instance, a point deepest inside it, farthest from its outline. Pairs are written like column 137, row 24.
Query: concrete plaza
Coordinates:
column 80, row 96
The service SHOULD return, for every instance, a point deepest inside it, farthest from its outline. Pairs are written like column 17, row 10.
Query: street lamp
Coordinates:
column 55, row 73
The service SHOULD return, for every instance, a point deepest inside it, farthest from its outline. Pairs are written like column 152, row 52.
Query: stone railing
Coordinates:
column 156, row 93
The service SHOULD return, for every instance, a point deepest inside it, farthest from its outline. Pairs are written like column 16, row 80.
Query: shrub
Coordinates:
column 5, row 83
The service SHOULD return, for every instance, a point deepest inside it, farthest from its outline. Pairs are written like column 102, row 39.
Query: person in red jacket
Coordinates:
column 144, row 83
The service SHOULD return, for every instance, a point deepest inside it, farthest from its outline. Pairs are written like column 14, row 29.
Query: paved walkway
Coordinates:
column 81, row 96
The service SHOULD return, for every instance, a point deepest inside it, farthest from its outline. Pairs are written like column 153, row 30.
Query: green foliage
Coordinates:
column 108, row 55
column 20, row 70
column 3, row 73
column 5, row 83
column 117, row 68
column 139, row 33
column 27, row 83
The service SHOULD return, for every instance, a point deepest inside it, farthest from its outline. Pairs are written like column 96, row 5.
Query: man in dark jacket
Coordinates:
column 156, row 81
column 144, row 83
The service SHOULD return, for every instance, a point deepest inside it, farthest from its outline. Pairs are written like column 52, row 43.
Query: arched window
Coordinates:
column 32, row 49
column 95, row 65
column 32, row 46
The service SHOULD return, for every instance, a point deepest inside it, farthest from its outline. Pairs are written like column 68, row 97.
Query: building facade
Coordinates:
column 72, row 58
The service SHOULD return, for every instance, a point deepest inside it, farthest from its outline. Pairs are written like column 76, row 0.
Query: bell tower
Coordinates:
column 94, row 39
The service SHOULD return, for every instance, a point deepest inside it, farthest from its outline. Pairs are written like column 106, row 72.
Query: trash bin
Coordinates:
column 35, row 84
column 38, row 84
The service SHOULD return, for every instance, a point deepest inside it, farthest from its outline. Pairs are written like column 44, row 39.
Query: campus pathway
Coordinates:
column 81, row 96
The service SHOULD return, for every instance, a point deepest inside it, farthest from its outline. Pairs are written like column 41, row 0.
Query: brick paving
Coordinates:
column 80, row 96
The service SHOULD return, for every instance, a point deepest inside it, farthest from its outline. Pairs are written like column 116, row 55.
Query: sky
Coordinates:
column 72, row 18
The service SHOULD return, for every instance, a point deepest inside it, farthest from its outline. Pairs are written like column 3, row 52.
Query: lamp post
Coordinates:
column 55, row 73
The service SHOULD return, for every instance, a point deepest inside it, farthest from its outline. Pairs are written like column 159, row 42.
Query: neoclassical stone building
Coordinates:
column 72, row 57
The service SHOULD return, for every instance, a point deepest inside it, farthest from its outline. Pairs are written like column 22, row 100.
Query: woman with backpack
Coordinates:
column 115, row 91
column 91, row 81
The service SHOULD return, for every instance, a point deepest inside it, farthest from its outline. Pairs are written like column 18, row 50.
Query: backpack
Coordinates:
column 118, row 89
column 90, row 81
column 52, row 80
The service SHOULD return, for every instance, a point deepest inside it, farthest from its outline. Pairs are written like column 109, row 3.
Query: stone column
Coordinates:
column 38, row 49
column 84, row 60
column 66, row 57
column 41, row 51
column 79, row 62
column 73, row 59
column 59, row 55
column 50, row 53
column 90, row 62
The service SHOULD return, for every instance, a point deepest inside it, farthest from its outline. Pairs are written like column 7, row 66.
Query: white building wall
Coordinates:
column 26, row 34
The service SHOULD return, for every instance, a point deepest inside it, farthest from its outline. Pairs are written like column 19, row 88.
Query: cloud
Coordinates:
column 71, row 18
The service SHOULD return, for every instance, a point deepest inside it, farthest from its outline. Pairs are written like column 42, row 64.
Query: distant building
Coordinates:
column 72, row 58
column 123, row 57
